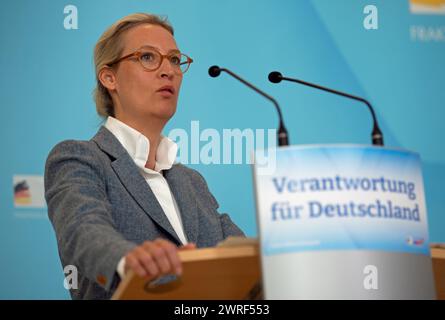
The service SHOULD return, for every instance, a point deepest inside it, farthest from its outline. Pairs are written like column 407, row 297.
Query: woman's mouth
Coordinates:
column 166, row 91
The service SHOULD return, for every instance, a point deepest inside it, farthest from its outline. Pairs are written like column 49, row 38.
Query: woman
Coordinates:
column 117, row 202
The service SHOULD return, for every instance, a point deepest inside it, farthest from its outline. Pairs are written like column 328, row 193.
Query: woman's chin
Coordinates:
column 164, row 112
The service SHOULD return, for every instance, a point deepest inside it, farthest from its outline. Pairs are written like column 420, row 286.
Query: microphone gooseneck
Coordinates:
column 377, row 135
column 283, row 138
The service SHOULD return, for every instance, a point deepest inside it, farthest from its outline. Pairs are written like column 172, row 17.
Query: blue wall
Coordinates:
column 47, row 78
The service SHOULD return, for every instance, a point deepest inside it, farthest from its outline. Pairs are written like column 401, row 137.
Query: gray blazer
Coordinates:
column 101, row 207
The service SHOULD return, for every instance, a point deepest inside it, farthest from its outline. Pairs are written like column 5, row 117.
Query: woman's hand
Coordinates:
column 155, row 258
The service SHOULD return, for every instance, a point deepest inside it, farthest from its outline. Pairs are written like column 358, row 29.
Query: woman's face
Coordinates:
column 143, row 93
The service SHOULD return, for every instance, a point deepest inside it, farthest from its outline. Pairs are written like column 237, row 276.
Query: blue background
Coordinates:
column 47, row 78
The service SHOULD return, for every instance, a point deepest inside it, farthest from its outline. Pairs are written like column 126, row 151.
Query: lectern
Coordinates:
column 342, row 221
column 220, row 273
column 228, row 273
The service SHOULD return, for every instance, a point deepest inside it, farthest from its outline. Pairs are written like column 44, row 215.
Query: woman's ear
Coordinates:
column 108, row 78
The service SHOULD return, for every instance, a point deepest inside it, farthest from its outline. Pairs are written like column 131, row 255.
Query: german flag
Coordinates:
column 22, row 196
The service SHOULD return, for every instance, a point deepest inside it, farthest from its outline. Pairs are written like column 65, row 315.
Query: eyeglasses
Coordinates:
column 151, row 59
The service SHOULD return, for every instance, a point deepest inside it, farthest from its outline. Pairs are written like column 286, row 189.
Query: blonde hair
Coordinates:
column 109, row 47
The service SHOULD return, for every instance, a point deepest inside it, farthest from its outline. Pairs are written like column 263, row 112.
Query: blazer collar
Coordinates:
column 129, row 175
column 108, row 143
column 182, row 188
column 179, row 183
column 138, row 146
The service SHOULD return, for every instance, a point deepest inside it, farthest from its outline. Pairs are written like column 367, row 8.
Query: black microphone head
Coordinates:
column 275, row 77
column 214, row 71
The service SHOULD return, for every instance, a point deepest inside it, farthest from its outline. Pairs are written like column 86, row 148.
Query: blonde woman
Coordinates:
column 118, row 202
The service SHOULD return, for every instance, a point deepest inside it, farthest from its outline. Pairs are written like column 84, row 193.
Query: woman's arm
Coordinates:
column 81, row 214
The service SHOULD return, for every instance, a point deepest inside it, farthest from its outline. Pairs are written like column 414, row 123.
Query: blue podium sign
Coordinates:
column 340, row 198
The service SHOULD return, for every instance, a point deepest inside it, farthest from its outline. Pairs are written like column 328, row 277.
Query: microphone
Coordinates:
column 283, row 138
column 376, row 135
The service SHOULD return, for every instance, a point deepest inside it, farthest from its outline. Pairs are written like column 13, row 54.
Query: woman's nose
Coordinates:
column 166, row 69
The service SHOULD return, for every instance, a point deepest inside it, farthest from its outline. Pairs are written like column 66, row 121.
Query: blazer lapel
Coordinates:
column 181, row 188
column 133, row 181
